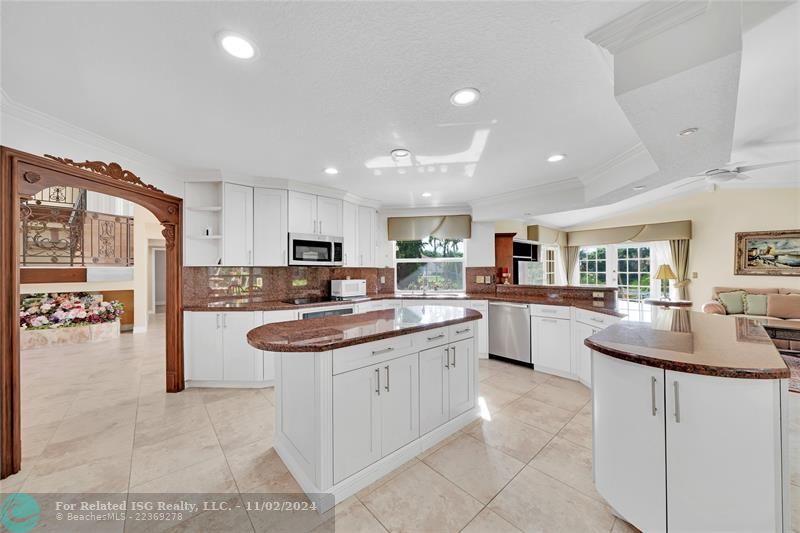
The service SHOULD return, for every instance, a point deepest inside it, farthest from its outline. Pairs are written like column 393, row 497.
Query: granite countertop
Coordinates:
column 696, row 343
column 260, row 304
column 330, row 333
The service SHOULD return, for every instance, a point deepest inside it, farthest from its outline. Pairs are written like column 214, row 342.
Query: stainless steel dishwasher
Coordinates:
column 510, row 331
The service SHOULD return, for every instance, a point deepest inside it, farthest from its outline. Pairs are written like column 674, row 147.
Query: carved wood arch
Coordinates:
column 23, row 175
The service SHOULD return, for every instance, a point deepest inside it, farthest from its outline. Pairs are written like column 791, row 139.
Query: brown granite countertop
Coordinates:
column 696, row 343
column 260, row 304
column 331, row 333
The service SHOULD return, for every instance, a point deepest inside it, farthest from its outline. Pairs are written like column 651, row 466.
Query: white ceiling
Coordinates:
column 342, row 84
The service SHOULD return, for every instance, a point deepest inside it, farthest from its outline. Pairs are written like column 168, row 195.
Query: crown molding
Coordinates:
column 645, row 22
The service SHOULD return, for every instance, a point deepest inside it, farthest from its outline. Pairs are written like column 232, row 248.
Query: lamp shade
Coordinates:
column 665, row 272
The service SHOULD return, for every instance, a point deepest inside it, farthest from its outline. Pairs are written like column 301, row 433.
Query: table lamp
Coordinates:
column 665, row 274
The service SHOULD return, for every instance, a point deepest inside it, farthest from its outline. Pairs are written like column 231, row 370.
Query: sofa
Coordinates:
column 784, row 305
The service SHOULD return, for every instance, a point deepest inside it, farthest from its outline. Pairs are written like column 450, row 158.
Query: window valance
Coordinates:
column 443, row 227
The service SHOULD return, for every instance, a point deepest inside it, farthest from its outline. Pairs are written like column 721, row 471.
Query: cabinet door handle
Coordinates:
column 551, row 320
column 224, row 320
column 250, row 257
column 653, row 395
column 435, row 337
column 447, row 357
column 677, row 402
column 460, row 331
column 378, row 377
column 320, row 226
column 549, row 311
column 387, row 378
column 217, row 320
column 598, row 320
column 381, row 352
column 453, row 348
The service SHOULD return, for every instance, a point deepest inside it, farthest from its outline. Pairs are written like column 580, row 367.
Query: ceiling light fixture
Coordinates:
column 330, row 171
column 555, row 158
column 236, row 45
column 400, row 153
column 640, row 187
column 687, row 132
column 464, row 97
column 426, row 195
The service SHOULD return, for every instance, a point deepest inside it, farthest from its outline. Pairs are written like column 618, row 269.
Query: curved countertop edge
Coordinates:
column 277, row 305
column 260, row 344
column 689, row 368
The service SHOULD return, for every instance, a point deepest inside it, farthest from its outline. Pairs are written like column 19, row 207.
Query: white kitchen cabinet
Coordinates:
column 356, row 421
column 721, row 431
column 366, row 236
column 460, row 374
column 434, row 397
column 270, row 317
column 270, row 230
column 241, row 361
column 237, row 225
column 329, row 216
column 482, row 306
column 350, row 234
column 302, row 212
column 203, row 346
column 629, row 445
column 583, row 355
column 551, row 345
column 399, row 403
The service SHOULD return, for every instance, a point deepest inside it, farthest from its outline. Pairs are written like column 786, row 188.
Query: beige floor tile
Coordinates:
column 535, row 502
column 495, row 398
column 257, row 468
column 510, row 436
column 235, row 520
column 538, row 414
column 152, row 461
column 445, row 441
column 107, row 474
column 565, row 394
column 579, row 429
column 269, row 394
column 250, row 402
column 173, row 422
column 520, row 381
column 419, row 499
column 211, row 477
column 157, row 404
column 36, row 438
column 480, row 470
column 621, row 526
column 351, row 516
column 489, row 522
column 241, row 430
column 568, row 463
column 363, row 493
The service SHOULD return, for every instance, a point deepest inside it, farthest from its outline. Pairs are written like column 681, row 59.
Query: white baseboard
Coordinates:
column 190, row 383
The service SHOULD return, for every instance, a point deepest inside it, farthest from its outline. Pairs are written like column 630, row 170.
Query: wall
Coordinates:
column 715, row 217
column 145, row 228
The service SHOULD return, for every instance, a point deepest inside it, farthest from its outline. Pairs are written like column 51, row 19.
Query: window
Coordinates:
column 592, row 265
column 633, row 273
column 549, row 260
column 430, row 264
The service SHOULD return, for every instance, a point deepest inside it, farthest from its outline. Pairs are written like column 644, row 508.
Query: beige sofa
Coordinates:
column 716, row 307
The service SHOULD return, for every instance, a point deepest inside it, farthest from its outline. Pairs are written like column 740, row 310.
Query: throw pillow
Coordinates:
column 755, row 304
column 783, row 305
column 733, row 302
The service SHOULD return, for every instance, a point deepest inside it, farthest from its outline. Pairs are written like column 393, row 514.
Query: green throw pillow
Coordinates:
column 755, row 304
column 733, row 302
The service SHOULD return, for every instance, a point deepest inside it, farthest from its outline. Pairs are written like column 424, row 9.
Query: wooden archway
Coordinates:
column 21, row 176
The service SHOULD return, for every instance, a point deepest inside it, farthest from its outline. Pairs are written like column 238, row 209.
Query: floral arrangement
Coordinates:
column 45, row 311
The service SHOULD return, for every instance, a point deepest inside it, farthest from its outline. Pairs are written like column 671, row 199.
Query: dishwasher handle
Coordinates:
column 505, row 304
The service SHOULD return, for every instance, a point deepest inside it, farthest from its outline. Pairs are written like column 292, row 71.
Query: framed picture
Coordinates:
column 768, row 253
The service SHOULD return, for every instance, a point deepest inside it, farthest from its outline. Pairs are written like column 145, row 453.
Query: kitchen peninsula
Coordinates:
column 356, row 396
column 689, row 423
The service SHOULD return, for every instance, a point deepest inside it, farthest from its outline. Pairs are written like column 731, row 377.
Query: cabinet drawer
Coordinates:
column 550, row 311
column 594, row 319
column 462, row 331
column 361, row 355
column 433, row 337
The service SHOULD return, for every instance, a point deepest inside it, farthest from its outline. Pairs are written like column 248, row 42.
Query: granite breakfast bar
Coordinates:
column 689, row 423
column 356, row 396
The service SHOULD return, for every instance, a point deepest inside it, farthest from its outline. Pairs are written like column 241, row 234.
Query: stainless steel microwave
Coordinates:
column 314, row 250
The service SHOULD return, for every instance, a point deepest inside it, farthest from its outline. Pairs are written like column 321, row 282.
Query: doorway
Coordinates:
column 23, row 175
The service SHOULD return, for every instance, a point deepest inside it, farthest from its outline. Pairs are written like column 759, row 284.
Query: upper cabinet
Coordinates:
column 313, row 214
column 237, row 225
column 350, row 234
column 366, row 236
column 270, row 229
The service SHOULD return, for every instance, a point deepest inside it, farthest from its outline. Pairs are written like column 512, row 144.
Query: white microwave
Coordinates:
column 314, row 250
column 348, row 288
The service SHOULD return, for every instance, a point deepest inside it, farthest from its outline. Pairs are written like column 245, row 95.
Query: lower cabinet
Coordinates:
column 551, row 345
column 270, row 317
column 665, row 443
column 203, row 346
column 241, row 362
column 446, row 387
column 583, row 355
column 376, row 412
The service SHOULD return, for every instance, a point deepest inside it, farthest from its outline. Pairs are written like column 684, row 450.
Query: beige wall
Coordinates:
column 145, row 227
column 715, row 217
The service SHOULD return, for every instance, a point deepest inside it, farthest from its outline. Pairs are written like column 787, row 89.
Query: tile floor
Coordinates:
column 96, row 419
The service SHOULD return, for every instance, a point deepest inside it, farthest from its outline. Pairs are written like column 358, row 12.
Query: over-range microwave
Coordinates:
column 314, row 250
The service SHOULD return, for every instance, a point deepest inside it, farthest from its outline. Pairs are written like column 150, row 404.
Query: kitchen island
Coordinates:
column 689, row 423
column 356, row 396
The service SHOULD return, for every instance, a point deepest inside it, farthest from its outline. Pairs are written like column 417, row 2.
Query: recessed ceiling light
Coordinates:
column 331, row 171
column 464, row 97
column 400, row 153
column 687, row 132
column 236, row 45
column 640, row 187
column 426, row 195
column 555, row 158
